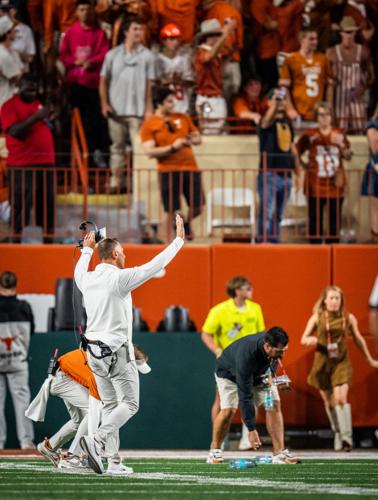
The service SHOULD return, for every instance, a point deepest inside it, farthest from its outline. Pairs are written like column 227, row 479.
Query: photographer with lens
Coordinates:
column 277, row 161
column 111, row 357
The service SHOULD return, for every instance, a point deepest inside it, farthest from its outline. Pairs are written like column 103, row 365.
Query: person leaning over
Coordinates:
column 243, row 374
column 168, row 137
column 331, row 372
column 16, row 328
column 229, row 321
column 108, row 304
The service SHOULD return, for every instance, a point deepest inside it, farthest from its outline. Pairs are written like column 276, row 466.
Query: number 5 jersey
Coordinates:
column 306, row 78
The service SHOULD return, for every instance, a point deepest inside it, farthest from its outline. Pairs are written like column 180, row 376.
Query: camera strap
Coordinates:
column 105, row 350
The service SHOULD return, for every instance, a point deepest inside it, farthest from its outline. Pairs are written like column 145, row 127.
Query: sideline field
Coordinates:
column 191, row 478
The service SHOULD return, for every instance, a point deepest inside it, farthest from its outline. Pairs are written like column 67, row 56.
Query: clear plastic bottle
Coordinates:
column 265, row 459
column 268, row 399
column 242, row 463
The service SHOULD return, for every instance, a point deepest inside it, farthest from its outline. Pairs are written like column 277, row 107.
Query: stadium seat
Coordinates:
column 230, row 198
column 176, row 319
column 63, row 316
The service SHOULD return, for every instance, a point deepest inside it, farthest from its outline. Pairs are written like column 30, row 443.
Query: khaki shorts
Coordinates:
column 228, row 393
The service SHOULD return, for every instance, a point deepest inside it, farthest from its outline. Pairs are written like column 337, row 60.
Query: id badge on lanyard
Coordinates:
column 332, row 347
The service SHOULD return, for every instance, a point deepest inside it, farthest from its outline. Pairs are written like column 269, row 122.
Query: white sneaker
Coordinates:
column 119, row 470
column 92, row 449
column 215, row 457
column 73, row 462
column 28, row 445
column 45, row 449
column 285, row 457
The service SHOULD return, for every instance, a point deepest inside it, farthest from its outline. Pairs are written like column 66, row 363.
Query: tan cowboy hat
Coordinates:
column 209, row 27
column 348, row 24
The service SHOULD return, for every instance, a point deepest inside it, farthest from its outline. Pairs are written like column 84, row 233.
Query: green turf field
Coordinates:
column 194, row 479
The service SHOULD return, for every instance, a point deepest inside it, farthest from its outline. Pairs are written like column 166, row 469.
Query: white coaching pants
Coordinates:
column 18, row 384
column 75, row 397
column 117, row 381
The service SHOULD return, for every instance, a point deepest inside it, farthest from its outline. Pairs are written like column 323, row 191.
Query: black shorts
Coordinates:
column 175, row 184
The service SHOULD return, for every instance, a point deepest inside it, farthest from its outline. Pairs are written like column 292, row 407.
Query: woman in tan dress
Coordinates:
column 331, row 372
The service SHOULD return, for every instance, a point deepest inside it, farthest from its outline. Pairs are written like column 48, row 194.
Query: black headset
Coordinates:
column 92, row 227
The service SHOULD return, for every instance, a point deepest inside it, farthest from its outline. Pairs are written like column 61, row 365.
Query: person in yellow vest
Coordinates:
column 227, row 322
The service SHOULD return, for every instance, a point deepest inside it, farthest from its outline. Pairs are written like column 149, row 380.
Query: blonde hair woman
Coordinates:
column 331, row 372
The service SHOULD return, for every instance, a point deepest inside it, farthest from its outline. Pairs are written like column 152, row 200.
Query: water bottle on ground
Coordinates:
column 265, row 459
column 268, row 399
column 241, row 463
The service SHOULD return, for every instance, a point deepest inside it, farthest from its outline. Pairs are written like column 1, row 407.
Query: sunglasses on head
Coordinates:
column 170, row 126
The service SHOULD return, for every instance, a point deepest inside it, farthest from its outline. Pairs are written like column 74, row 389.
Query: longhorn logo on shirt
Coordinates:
column 8, row 342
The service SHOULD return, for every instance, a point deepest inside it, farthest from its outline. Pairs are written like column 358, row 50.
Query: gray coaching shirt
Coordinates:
column 127, row 74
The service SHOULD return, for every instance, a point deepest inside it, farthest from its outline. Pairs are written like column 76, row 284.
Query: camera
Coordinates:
column 281, row 93
column 87, row 226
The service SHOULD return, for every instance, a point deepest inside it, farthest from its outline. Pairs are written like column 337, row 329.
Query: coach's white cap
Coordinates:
column 143, row 367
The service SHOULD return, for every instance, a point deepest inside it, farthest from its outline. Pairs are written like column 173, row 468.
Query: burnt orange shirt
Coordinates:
column 57, row 14
column 241, row 104
column 156, row 129
column 289, row 18
column 268, row 41
column 324, row 160
column 209, row 74
column 180, row 12
column 306, row 78
column 223, row 10
column 74, row 365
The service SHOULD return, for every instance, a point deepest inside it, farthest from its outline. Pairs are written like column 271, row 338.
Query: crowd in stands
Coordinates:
column 220, row 58
column 212, row 52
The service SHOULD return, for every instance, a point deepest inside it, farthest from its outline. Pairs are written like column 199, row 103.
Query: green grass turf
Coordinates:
column 192, row 480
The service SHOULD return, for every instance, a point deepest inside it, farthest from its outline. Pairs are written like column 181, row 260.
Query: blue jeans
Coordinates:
column 273, row 196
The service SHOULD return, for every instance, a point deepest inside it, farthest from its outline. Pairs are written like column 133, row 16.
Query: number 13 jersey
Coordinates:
column 306, row 78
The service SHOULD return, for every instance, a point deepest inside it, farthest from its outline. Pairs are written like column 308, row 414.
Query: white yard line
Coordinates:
column 202, row 454
column 217, row 482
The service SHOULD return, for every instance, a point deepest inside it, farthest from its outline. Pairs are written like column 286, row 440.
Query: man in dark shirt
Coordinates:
column 240, row 374
column 16, row 327
column 277, row 160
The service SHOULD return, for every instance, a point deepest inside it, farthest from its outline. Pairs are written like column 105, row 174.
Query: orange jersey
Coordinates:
column 59, row 14
column 222, row 10
column 74, row 364
column 324, row 160
column 268, row 41
column 241, row 104
column 156, row 129
column 306, row 79
column 180, row 12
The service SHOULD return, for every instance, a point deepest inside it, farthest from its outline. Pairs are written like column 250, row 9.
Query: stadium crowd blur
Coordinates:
column 219, row 57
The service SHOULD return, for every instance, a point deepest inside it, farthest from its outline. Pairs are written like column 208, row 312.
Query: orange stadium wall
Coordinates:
column 287, row 281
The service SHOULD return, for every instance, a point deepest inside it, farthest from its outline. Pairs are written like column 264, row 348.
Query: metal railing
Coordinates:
column 224, row 206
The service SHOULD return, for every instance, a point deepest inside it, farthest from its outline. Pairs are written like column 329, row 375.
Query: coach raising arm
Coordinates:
column 107, row 300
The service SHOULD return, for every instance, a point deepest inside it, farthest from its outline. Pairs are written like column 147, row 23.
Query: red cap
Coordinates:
column 170, row 31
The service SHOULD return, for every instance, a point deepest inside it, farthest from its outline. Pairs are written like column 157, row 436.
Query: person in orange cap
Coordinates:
column 174, row 69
